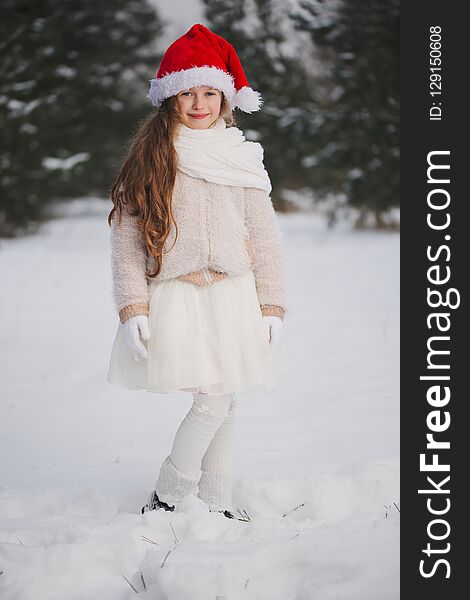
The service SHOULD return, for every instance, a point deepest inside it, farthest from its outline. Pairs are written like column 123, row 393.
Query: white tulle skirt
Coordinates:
column 209, row 339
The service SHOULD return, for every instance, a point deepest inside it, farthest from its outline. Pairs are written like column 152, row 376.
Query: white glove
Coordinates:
column 134, row 329
column 274, row 329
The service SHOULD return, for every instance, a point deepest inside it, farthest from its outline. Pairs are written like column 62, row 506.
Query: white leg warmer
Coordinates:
column 181, row 470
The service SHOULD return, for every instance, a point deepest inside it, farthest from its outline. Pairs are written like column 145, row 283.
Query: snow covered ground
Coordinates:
column 316, row 463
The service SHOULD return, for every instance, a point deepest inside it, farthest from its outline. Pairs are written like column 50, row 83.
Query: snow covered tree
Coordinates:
column 73, row 80
column 359, row 133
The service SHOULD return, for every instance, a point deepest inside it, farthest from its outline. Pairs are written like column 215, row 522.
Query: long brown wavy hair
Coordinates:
column 146, row 179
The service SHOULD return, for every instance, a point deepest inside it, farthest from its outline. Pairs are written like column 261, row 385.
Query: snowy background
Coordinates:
column 179, row 16
column 316, row 463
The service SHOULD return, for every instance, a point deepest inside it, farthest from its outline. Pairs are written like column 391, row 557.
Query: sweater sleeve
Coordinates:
column 267, row 258
column 128, row 266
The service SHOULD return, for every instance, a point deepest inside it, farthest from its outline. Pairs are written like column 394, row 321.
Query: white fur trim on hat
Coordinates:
column 248, row 100
column 173, row 83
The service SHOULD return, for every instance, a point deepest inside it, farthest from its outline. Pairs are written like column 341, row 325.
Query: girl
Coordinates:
column 198, row 273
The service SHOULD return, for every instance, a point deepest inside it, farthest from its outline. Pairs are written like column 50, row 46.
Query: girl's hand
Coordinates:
column 134, row 329
column 274, row 327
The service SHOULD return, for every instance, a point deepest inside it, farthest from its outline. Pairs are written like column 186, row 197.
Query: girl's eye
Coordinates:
column 210, row 93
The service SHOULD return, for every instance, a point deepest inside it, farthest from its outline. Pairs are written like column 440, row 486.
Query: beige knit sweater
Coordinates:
column 221, row 229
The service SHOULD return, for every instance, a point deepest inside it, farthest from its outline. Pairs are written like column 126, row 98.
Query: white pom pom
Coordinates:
column 248, row 100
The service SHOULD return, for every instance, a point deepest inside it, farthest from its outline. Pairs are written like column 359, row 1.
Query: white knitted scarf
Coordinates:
column 220, row 154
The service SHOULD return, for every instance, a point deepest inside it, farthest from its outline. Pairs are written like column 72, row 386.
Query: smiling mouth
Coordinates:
column 198, row 116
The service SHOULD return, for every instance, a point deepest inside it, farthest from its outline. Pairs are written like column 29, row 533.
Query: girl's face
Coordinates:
column 199, row 107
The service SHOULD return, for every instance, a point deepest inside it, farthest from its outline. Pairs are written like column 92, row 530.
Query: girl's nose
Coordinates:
column 198, row 103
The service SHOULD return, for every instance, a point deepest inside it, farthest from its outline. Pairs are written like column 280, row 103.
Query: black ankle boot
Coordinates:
column 154, row 502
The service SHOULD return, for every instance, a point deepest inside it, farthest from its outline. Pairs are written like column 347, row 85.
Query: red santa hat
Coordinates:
column 200, row 57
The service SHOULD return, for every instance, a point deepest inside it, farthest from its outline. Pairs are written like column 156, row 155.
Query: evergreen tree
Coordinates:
column 360, row 129
column 73, row 82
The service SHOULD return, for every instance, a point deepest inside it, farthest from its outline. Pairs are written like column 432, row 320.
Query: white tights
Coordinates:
column 201, row 454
